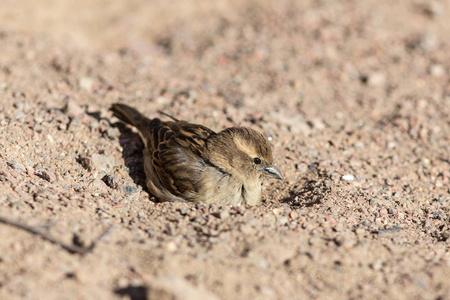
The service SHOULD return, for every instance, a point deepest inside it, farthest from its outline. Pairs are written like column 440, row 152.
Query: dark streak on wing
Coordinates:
column 216, row 167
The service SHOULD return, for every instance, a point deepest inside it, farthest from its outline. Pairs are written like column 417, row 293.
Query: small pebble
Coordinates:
column 18, row 167
column 358, row 145
column 86, row 83
column 224, row 215
column 129, row 190
column 282, row 220
column 72, row 109
column 49, row 176
column 276, row 211
column 348, row 177
column 19, row 105
column 112, row 133
column 437, row 70
column 111, row 180
column 86, row 162
column 103, row 163
column 171, row 246
column 293, row 214
column 376, row 79
column 391, row 145
column 50, row 139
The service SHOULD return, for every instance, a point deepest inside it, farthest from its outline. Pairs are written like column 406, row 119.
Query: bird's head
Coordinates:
column 243, row 152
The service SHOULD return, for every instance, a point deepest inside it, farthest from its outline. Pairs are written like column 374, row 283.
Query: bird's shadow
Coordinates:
column 311, row 193
column 132, row 155
column 133, row 292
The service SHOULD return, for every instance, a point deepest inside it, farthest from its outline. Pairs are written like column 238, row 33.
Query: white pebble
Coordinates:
column 437, row 70
column 86, row 83
column 376, row 79
column 50, row 138
column 348, row 177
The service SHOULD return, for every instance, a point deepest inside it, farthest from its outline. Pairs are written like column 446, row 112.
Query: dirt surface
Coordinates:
column 353, row 95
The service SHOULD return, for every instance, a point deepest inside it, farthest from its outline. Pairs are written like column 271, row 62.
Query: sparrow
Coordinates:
column 190, row 162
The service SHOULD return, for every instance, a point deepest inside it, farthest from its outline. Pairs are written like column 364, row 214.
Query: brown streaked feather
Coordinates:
column 174, row 146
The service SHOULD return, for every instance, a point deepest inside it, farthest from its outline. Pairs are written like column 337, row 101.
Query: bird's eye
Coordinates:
column 257, row 160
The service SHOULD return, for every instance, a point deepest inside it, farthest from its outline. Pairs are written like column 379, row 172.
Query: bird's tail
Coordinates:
column 129, row 115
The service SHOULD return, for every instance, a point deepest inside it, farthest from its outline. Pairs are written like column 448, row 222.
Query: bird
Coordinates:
column 191, row 163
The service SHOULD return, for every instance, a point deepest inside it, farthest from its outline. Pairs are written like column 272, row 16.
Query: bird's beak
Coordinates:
column 273, row 172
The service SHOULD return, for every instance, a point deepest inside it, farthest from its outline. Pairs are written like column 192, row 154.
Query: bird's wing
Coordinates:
column 177, row 149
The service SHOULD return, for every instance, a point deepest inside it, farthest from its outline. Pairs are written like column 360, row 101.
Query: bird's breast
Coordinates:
column 227, row 189
column 251, row 192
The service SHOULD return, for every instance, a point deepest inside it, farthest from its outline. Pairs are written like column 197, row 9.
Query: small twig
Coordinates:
column 45, row 236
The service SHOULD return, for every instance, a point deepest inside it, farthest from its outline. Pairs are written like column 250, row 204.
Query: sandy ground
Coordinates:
column 354, row 96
